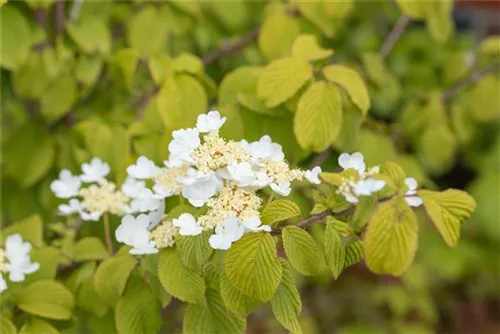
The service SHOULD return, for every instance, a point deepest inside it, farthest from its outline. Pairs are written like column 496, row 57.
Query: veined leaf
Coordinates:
column 286, row 302
column 281, row 79
column 241, row 80
column 111, row 277
column 138, row 311
column 90, row 248
column 36, row 326
column 235, row 300
column 319, row 116
column 181, row 282
column 447, row 209
column 252, row 266
column 334, row 250
column 391, row 238
column 279, row 210
column 194, row 250
column 301, row 250
column 352, row 82
column 7, row 326
column 278, row 25
column 306, row 46
column 394, row 173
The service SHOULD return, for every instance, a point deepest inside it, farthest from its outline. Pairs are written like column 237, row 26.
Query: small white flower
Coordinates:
column 261, row 180
column 74, row 206
column 134, row 232
column 90, row 216
column 265, row 149
column 242, row 173
column 187, row 225
column 230, row 231
column 183, row 143
column 144, row 201
column 367, row 187
column 66, row 186
column 143, row 168
column 354, row 160
column 156, row 216
column 19, row 262
column 161, row 192
column 282, row 189
column 411, row 195
column 3, row 284
column 198, row 187
column 94, row 171
column 132, row 187
column 254, row 224
column 313, row 175
column 210, row 122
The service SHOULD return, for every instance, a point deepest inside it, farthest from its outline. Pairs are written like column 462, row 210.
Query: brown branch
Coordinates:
column 468, row 81
column 143, row 102
column 395, row 34
column 231, row 47
column 320, row 158
column 59, row 17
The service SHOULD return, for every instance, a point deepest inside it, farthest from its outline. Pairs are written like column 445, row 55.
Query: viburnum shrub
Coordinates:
column 143, row 171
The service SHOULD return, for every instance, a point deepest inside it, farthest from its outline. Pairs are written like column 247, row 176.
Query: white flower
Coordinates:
column 74, row 206
column 198, row 187
column 261, row 180
column 313, row 175
column 134, row 232
column 156, row 216
column 282, row 189
column 367, row 187
column 354, row 160
column 161, row 192
column 210, row 122
column 183, row 143
column 143, row 168
column 242, row 173
column 132, row 187
column 254, row 224
column 411, row 195
column 144, row 201
column 230, row 231
column 3, row 284
column 90, row 216
column 66, row 186
column 94, row 171
column 265, row 149
column 19, row 262
column 187, row 225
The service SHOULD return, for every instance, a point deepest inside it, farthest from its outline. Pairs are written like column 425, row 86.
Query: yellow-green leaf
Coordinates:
column 180, row 281
column 390, row 240
column 440, row 22
column 58, row 98
column 147, row 31
column 281, row 79
column 319, row 116
column 279, row 210
column 301, row 250
column 447, row 209
column 235, row 300
column 286, row 304
column 414, row 9
column 111, row 277
column 90, row 248
column 36, row 326
column 187, row 63
column 306, row 46
column 241, row 80
column 490, row 45
column 7, row 326
column 352, row 82
column 30, row 228
column 123, row 64
column 194, row 250
column 16, row 38
column 280, row 25
column 138, row 311
column 482, row 107
column 252, row 266
column 338, row 9
column 91, row 34
column 334, row 250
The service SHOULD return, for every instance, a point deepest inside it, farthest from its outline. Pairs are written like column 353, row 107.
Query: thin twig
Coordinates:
column 320, row 158
column 75, row 11
column 394, row 35
column 143, row 102
column 231, row 47
column 468, row 81
column 59, row 17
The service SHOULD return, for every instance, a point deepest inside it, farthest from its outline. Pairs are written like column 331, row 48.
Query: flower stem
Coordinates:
column 107, row 234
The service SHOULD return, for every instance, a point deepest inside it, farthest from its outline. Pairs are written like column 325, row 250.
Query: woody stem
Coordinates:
column 107, row 234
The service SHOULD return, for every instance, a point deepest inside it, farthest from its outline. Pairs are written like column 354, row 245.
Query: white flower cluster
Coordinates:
column 207, row 170
column 15, row 260
column 364, row 184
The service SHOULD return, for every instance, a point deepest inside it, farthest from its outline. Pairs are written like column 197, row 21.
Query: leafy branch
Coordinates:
column 395, row 34
column 231, row 47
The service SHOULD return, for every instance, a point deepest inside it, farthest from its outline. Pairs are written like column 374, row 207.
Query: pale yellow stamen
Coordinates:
column 168, row 178
column 164, row 235
column 103, row 197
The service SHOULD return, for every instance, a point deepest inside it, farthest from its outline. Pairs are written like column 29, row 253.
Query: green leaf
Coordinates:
column 235, row 300
column 138, row 311
column 194, row 250
column 187, row 63
column 91, row 35
column 48, row 258
column 375, row 68
column 181, row 282
column 123, row 65
column 7, row 326
column 211, row 318
column 89, row 300
column 481, row 106
column 279, row 210
column 319, row 116
column 87, row 69
column 390, row 240
column 306, row 46
column 252, row 266
column 353, row 252
column 252, row 103
column 440, row 22
column 37, row 326
column 490, row 45
column 46, row 298
column 111, row 277
column 364, row 209
column 16, row 38
column 180, row 101
column 314, row 11
column 334, row 250
column 147, row 31
column 281, row 79
column 437, row 159
column 352, row 82
column 58, row 98
column 90, row 248
column 160, row 67
column 286, row 304
column 415, row 9
column 280, row 25
column 395, row 175
column 22, row 79
column 338, row 9
column 301, row 250
column 241, row 80
column 30, row 228
column 447, row 209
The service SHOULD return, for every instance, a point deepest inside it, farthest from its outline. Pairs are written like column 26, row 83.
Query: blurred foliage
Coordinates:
column 113, row 79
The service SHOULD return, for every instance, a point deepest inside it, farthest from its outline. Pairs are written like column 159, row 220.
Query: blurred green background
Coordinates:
column 82, row 79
